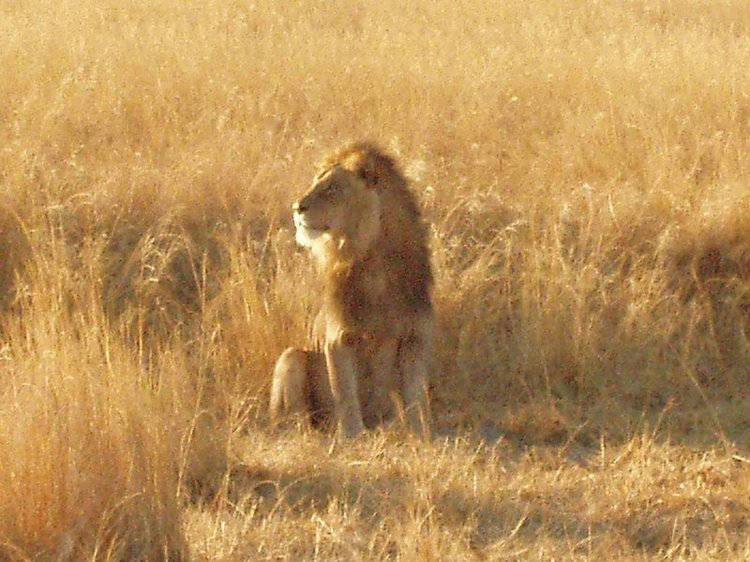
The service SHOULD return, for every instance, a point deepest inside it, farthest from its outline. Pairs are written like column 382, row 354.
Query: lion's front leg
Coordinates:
column 414, row 358
column 416, row 394
column 379, row 382
column 341, row 361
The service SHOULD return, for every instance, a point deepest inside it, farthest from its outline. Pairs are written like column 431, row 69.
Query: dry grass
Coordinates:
column 585, row 168
column 459, row 499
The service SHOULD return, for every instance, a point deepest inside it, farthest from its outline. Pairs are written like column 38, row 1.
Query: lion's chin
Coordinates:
column 307, row 237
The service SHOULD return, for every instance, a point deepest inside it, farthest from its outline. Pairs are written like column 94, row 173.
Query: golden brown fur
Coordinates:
column 365, row 230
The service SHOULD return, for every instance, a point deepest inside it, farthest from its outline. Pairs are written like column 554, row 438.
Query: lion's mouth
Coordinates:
column 301, row 222
column 306, row 233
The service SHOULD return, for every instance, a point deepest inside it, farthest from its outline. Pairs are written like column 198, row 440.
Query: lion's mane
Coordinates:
column 400, row 251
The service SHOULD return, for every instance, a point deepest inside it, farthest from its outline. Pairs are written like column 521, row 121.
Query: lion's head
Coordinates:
column 363, row 225
column 339, row 214
column 359, row 199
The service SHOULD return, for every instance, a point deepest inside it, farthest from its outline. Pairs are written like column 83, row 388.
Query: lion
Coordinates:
column 373, row 336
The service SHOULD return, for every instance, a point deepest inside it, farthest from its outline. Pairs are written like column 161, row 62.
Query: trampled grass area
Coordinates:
column 584, row 166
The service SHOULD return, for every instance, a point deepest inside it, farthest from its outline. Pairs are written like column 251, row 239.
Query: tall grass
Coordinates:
column 584, row 168
column 89, row 452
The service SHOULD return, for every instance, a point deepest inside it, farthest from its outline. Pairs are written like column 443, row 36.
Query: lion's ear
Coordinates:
column 366, row 169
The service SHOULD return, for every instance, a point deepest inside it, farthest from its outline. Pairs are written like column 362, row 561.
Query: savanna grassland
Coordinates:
column 585, row 169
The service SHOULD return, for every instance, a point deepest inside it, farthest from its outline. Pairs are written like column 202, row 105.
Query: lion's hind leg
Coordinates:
column 288, row 386
column 299, row 388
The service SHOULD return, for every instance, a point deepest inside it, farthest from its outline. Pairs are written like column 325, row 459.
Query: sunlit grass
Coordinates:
column 584, row 168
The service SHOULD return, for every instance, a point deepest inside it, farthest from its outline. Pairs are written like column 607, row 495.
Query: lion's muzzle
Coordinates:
column 306, row 234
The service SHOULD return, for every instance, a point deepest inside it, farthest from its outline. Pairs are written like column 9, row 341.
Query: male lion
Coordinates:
column 365, row 231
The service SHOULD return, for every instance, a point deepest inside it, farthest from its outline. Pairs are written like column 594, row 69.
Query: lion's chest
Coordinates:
column 360, row 299
column 373, row 288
